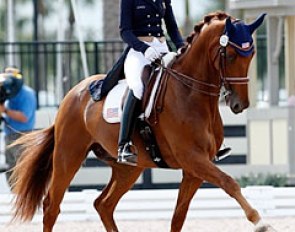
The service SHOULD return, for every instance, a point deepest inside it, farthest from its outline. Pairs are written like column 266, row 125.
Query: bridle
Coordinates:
column 226, row 81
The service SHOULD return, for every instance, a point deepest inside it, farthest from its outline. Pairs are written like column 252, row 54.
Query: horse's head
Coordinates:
column 236, row 52
column 220, row 46
column 226, row 44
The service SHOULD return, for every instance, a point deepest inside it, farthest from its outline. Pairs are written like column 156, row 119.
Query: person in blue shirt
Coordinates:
column 18, row 111
column 141, row 27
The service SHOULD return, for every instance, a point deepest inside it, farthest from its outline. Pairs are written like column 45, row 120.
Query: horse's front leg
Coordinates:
column 188, row 187
column 206, row 170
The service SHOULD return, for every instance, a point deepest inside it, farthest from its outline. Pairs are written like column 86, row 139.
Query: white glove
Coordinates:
column 179, row 51
column 151, row 54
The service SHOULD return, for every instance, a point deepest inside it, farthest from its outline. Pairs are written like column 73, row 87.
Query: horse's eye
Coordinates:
column 230, row 57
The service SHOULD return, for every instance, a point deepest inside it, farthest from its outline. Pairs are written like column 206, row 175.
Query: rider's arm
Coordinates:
column 171, row 25
column 126, row 27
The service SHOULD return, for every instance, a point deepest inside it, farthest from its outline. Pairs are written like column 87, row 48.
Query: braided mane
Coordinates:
column 218, row 15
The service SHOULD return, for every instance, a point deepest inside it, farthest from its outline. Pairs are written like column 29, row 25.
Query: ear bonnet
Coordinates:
column 240, row 35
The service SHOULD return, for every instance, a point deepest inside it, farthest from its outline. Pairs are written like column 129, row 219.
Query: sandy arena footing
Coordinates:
column 286, row 224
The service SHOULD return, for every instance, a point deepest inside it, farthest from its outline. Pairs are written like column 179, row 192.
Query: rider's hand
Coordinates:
column 179, row 51
column 151, row 54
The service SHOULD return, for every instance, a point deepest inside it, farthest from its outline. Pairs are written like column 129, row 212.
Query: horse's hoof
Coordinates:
column 263, row 227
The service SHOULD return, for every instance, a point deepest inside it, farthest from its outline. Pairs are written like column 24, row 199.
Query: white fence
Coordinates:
column 159, row 204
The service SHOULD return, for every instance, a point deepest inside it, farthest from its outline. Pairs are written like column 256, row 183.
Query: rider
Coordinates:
column 141, row 28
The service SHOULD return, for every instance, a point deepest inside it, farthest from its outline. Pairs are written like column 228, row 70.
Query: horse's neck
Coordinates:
column 188, row 116
column 196, row 65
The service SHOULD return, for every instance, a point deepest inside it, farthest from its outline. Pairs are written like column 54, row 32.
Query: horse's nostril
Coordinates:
column 236, row 107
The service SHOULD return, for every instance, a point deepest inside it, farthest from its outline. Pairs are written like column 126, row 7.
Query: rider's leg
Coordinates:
column 133, row 66
column 130, row 113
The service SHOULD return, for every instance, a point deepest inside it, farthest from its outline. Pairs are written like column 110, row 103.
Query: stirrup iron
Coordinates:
column 126, row 156
column 223, row 153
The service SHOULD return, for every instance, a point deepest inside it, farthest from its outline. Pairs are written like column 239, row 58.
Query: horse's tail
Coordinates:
column 32, row 173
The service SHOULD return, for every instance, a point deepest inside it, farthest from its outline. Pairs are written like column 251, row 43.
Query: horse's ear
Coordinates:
column 253, row 26
column 228, row 25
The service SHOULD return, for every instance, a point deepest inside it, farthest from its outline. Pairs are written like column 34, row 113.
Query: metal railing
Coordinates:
column 52, row 68
column 44, row 63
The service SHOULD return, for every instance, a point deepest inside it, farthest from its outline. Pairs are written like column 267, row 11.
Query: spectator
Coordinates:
column 17, row 106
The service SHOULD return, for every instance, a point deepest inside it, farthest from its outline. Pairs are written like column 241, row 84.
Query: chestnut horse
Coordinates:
column 189, row 131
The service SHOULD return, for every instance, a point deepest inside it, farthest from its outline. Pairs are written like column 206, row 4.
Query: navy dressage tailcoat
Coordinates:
column 144, row 18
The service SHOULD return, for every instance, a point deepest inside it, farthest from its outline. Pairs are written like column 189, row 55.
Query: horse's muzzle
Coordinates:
column 235, row 103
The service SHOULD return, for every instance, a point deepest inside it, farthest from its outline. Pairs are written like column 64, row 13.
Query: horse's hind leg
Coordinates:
column 188, row 187
column 67, row 159
column 123, row 178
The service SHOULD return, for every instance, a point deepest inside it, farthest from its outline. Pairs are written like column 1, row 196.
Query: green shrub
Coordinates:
column 276, row 180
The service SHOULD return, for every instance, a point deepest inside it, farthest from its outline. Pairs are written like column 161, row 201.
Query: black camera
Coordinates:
column 10, row 84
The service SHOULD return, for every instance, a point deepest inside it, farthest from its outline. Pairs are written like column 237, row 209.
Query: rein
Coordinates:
column 197, row 85
column 191, row 82
column 226, row 81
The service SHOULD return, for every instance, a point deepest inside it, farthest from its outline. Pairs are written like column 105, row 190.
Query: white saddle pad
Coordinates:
column 112, row 109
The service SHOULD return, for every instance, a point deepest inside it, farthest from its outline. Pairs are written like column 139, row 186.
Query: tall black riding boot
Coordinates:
column 125, row 155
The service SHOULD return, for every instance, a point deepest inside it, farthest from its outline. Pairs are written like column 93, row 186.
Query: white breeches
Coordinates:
column 134, row 64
